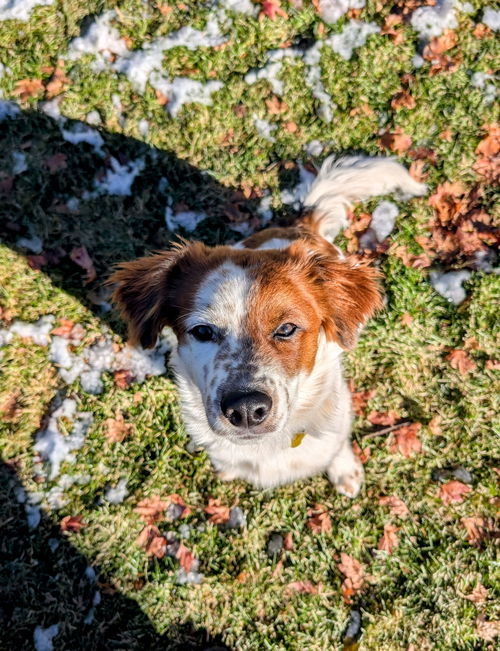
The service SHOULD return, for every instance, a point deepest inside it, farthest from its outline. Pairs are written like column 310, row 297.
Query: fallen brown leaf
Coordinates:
column 271, row 9
column 117, row 429
column 397, row 141
column 386, row 418
column 218, row 512
column 26, row 88
column 275, row 106
column 72, row 523
column 185, row 556
column 363, row 454
column 406, row 440
column 360, row 400
column 487, row 630
column 395, row 504
column 453, row 492
column 389, row 540
column 460, row 360
column 478, row 595
column 81, row 257
column 303, row 587
column 123, row 378
column 403, row 99
column 318, row 519
column 151, row 509
column 56, row 162
column 354, row 574
column 479, row 529
column 153, row 543
column 9, row 407
column 57, row 83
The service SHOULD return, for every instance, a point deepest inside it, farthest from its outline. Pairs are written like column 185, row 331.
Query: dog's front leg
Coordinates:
column 346, row 471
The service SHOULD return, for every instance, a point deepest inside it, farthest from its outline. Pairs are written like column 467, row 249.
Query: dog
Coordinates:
column 261, row 327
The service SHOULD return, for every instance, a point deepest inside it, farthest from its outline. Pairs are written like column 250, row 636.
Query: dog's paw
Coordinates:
column 346, row 477
column 226, row 475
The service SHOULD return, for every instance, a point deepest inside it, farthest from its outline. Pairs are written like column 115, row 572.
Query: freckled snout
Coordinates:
column 246, row 409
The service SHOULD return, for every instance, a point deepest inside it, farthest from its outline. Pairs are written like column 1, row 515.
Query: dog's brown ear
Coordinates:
column 352, row 295
column 142, row 292
column 347, row 291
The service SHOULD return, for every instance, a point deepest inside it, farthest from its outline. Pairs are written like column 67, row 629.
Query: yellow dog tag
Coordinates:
column 297, row 439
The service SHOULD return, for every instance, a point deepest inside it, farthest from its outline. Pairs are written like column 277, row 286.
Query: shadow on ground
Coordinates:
column 43, row 582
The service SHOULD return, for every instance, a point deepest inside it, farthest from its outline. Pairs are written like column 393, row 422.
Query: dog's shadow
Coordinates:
column 47, row 191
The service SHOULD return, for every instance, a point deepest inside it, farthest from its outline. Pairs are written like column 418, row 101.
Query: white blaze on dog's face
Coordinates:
column 249, row 323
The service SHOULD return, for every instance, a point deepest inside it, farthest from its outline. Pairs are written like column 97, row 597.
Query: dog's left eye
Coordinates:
column 203, row 333
column 285, row 330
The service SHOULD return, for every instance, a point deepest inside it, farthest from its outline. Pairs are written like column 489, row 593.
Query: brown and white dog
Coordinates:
column 261, row 327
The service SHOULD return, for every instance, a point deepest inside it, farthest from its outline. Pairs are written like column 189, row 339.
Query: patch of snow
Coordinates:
column 53, row 544
column 237, row 519
column 191, row 577
column 296, row 196
column 143, row 127
column 117, row 494
column 82, row 133
column 19, row 164
column 118, row 180
column 5, row 337
column 33, row 515
column 42, row 637
column 20, row 9
column 265, row 209
column 51, row 108
column 432, row 21
column 139, row 65
column 383, row 219
column 8, row 110
column 20, row 494
column 38, row 332
column 449, row 284
column 312, row 60
column 182, row 90
column 53, row 446
column 100, row 39
column 465, row 7
column 240, row 7
column 354, row 35
column 90, row 574
column 185, row 530
column 264, row 128
column 270, row 73
column 331, row 10
column 93, row 118
column 73, row 204
column 33, row 244
column 418, row 61
column 478, row 80
column 491, row 18
column 187, row 219
column 313, row 148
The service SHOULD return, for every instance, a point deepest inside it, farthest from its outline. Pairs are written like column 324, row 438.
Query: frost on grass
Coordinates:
column 450, row 284
column 82, row 133
column 432, row 21
column 264, row 128
column 53, row 446
column 354, row 35
column 332, row 10
column 491, row 18
column 20, row 9
column 116, row 494
column 42, row 637
column 38, row 332
column 296, row 196
column 186, row 219
column 182, row 90
column 240, row 7
column 383, row 219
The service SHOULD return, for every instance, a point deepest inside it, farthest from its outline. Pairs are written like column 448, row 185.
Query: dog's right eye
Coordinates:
column 203, row 333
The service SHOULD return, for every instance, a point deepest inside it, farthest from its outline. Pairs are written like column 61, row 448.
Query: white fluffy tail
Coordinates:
column 353, row 178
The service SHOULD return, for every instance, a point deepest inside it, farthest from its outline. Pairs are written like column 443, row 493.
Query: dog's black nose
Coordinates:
column 246, row 409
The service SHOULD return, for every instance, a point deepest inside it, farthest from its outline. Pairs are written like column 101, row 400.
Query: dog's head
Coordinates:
column 249, row 322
